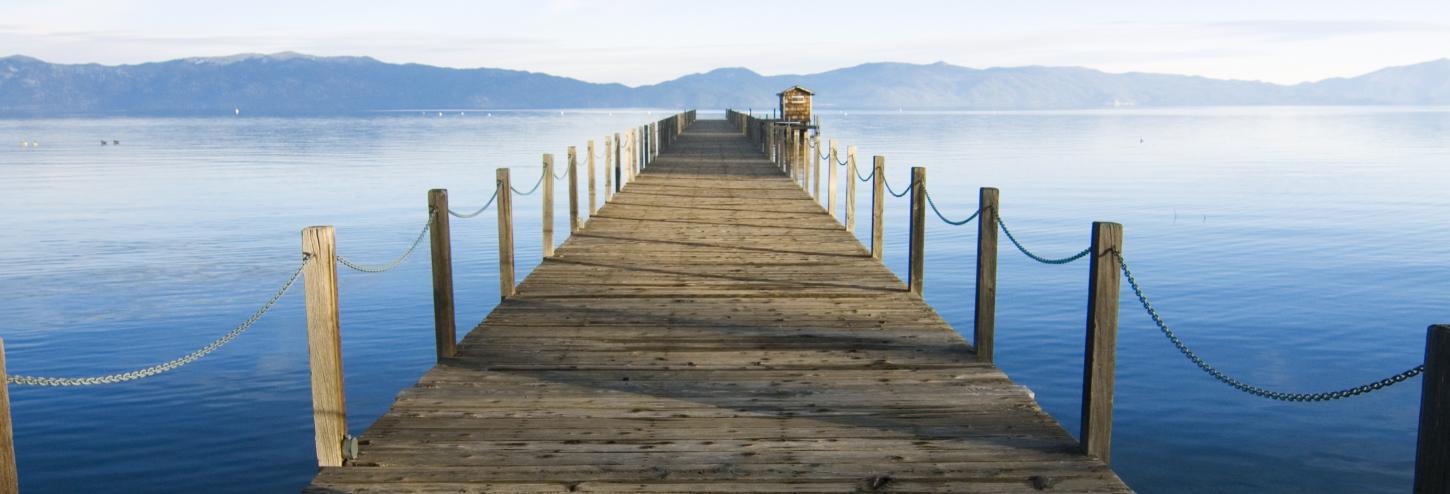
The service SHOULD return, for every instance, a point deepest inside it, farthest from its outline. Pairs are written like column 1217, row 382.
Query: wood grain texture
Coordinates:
column 1099, row 357
column 984, row 319
column 445, row 332
column 878, row 206
column 608, row 170
column 505, row 207
column 816, row 173
column 851, row 188
column 713, row 330
column 9, row 475
column 593, row 202
column 916, row 247
column 547, row 210
column 1432, row 452
column 574, row 223
column 324, row 343
column 831, row 183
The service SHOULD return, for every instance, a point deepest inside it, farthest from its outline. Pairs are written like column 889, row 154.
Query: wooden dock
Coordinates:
column 713, row 329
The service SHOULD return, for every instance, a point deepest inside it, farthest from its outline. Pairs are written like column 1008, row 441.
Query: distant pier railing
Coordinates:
column 798, row 151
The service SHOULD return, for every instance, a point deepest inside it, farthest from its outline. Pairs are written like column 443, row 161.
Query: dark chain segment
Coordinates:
column 1003, row 225
column 1249, row 388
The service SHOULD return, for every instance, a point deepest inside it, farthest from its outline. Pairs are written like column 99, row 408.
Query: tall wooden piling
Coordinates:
column 984, row 320
column 816, row 158
column 1432, row 451
column 878, row 205
column 917, row 258
column 851, row 174
column 831, row 183
column 444, row 324
column 9, row 474
column 324, row 344
column 573, row 191
column 618, row 163
column 608, row 170
column 505, row 207
column 593, row 204
column 547, row 212
column 1099, row 357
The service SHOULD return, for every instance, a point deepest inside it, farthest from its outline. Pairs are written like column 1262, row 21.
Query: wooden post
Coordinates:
column 917, row 258
column 985, row 315
column 1432, row 452
column 878, row 205
column 608, row 175
column 324, row 344
column 9, row 475
column 593, row 205
column 548, row 211
column 505, row 209
column 1099, row 358
column 851, row 188
column 831, row 183
column 804, row 145
column 573, row 191
column 444, row 327
column 618, row 163
column 816, row 158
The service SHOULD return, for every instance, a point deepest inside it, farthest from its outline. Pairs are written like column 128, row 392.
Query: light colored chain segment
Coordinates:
column 379, row 268
column 168, row 366
column 480, row 210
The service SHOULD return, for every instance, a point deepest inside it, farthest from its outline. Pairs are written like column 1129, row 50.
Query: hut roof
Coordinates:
column 796, row 88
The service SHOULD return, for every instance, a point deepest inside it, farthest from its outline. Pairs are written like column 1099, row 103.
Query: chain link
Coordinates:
column 23, row 380
column 1036, row 257
column 379, row 268
column 944, row 219
column 866, row 178
column 535, row 188
column 480, row 210
column 1249, row 388
column 893, row 192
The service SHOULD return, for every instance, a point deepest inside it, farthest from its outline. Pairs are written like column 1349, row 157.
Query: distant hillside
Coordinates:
column 290, row 83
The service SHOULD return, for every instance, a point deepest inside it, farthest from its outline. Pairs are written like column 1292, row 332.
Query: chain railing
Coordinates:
column 1035, row 257
column 893, row 192
column 388, row 266
column 943, row 217
column 866, row 178
column 535, row 188
column 491, row 198
column 1232, row 382
column 24, row 380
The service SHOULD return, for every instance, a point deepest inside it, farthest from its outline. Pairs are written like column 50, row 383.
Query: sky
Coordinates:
column 647, row 41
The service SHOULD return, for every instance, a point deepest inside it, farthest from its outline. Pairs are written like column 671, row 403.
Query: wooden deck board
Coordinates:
column 712, row 329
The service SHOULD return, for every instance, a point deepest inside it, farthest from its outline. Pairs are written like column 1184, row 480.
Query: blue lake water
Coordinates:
column 1301, row 249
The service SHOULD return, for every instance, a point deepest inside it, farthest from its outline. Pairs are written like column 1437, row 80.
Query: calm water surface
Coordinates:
column 1301, row 249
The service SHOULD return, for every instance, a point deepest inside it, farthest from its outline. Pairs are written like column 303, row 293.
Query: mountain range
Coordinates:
column 296, row 84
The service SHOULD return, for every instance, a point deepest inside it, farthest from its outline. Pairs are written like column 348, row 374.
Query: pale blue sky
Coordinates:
column 646, row 41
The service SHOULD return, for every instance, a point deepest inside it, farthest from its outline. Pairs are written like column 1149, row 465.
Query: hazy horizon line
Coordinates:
column 298, row 54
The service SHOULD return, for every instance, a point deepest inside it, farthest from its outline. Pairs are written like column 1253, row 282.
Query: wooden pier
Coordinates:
column 713, row 329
